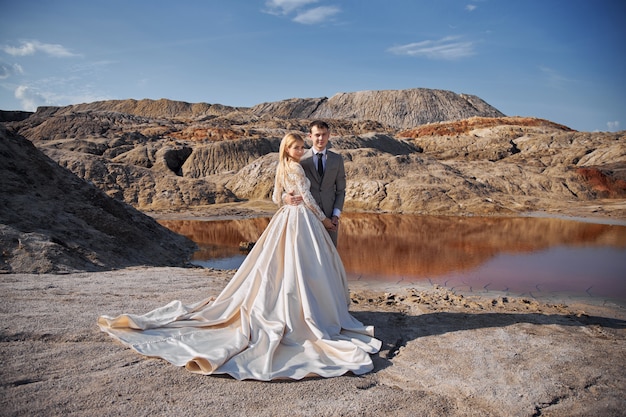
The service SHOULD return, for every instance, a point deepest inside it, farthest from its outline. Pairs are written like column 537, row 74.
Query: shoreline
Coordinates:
column 601, row 212
column 597, row 305
column 578, row 302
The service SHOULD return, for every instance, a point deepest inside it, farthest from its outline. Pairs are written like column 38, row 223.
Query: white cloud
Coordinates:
column 284, row 7
column 470, row 7
column 450, row 47
column 613, row 126
column 32, row 47
column 7, row 70
column 316, row 15
column 29, row 98
column 55, row 92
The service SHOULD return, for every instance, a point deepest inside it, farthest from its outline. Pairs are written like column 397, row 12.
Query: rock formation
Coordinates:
column 397, row 108
column 408, row 151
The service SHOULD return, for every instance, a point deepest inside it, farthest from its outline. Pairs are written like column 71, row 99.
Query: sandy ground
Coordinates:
column 443, row 355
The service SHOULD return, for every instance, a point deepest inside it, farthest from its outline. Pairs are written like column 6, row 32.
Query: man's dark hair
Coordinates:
column 320, row 124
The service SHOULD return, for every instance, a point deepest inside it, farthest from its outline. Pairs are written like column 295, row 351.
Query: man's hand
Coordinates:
column 335, row 221
column 292, row 200
column 328, row 224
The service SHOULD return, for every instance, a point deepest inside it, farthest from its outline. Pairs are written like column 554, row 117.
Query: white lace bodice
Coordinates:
column 296, row 181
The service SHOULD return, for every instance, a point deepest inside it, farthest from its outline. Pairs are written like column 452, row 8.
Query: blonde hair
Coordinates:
column 284, row 159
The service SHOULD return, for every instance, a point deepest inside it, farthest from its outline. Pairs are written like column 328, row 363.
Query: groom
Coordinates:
column 326, row 172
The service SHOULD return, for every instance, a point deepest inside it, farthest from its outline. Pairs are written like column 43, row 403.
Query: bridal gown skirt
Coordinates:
column 284, row 314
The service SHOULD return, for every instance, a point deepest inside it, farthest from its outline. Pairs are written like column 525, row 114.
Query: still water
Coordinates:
column 534, row 257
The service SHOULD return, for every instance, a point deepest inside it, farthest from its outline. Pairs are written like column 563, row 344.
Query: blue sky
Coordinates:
column 561, row 60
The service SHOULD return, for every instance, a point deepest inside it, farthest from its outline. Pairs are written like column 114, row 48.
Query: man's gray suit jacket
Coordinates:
column 328, row 191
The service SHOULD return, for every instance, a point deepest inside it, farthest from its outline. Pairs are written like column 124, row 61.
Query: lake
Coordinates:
column 535, row 257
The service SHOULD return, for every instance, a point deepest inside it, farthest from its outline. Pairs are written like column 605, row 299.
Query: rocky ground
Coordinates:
column 443, row 354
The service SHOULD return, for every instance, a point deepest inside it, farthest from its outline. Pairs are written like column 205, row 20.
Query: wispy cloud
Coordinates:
column 555, row 78
column 613, row 126
column 32, row 47
column 89, row 68
column 7, row 70
column 450, row 48
column 284, row 7
column 303, row 14
column 470, row 7
column 316, row 15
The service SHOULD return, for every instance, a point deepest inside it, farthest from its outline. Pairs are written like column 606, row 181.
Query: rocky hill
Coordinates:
column 409, row 151
column 402, row 109
column 53, row 221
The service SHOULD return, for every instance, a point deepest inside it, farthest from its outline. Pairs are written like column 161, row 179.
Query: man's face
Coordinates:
column 319, row 138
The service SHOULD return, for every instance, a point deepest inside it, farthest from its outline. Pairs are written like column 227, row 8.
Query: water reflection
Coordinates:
column 534, row 256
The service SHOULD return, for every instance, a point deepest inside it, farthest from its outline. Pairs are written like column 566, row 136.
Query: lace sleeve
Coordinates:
column 302, row 185
column 277, row 195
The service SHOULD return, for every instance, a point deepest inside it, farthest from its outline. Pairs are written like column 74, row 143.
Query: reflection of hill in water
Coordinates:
column 387, row 244
column 428, row 245
column 218, row 239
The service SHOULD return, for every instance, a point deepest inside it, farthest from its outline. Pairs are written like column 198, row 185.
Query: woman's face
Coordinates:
column 296, row 150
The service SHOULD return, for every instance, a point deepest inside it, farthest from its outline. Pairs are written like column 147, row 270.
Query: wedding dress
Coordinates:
column 284, row 314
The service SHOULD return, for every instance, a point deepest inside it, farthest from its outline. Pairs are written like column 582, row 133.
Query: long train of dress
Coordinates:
column 284, row 314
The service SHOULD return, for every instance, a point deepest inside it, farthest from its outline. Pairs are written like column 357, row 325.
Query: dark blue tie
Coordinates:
column 320, row 164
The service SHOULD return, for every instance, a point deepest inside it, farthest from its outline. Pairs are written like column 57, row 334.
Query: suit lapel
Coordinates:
column 309, row 166
column 331, row 162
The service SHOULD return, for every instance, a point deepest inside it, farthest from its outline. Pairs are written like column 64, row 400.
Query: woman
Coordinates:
column 285, row 312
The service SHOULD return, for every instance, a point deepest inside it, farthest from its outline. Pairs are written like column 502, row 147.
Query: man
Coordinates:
column 326, row 172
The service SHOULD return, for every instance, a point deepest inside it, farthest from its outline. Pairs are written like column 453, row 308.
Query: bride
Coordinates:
column 284, row 314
